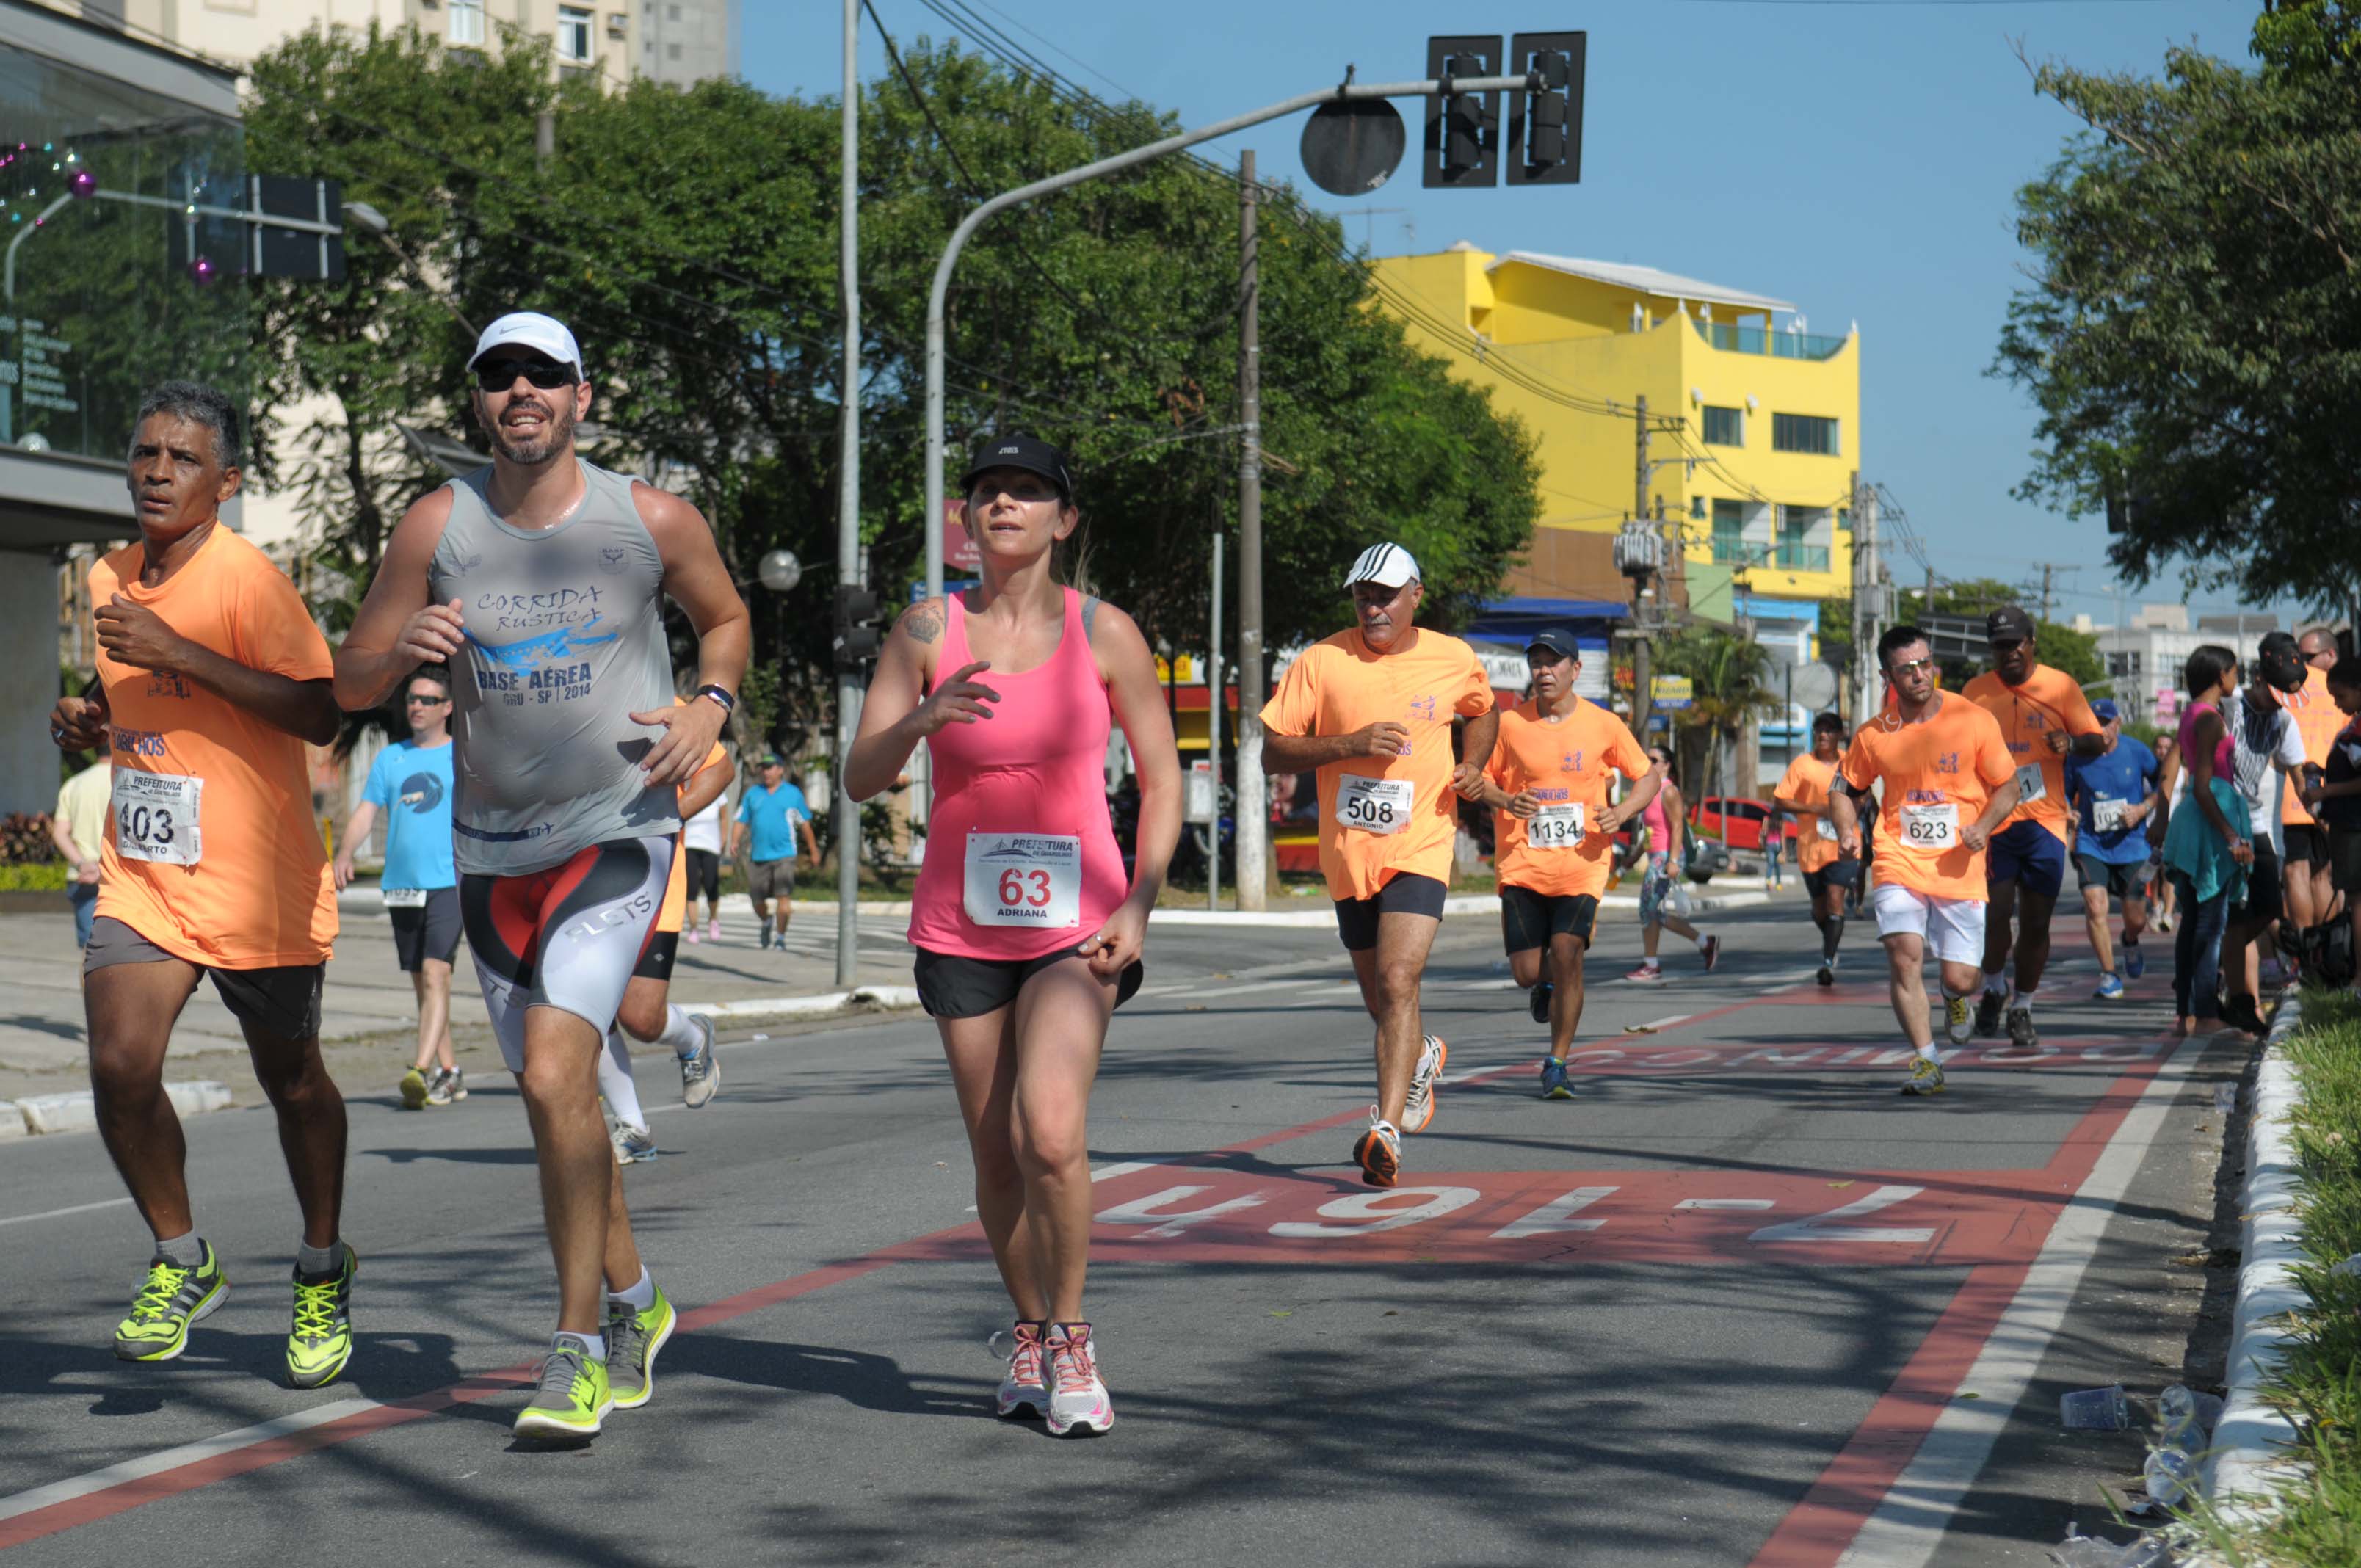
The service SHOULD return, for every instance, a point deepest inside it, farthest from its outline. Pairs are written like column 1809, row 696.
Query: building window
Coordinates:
column 467, row 23
column 1804, row 432
column 1803, row 535
column 573, row 34
column 1724, row 427
column 1697, row 508
column 1729, row 547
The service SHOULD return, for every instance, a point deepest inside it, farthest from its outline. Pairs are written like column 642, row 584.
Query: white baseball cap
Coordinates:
column 530, row 329
column 1388, row 565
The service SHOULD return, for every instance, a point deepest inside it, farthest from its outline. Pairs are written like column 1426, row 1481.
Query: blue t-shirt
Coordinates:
column 773, row 815
column 411, row 784
column 2126, row 775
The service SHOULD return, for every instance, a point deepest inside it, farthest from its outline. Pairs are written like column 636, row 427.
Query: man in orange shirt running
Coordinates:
column 1829, row 873
column 1371, row 709
column 212, row 678
column 1553, row 838
column 2043, row 716
column 1949, row 781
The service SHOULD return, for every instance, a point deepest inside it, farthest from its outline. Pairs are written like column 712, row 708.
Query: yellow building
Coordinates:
column 1757, row 475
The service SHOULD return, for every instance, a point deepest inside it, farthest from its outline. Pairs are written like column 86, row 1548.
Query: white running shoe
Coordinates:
column 1077, row 1398
column 1418, row 1110
column 1024, row 1389
column 700, row 1075
column 632, row 1144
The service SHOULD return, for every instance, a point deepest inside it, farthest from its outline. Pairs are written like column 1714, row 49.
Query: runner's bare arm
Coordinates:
column 703, row 790
column 698, row 582
column 133, row 634
column 357, row 830
column 1301, row 754
column 1976, row 834
column 397, row 628
column 1636, row 801
column 1138, row 702
column 1842, row 812
column 899, row 710
column 1475, row 750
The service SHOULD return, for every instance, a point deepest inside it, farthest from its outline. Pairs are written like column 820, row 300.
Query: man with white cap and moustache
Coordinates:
column 540, row 580
column 1371, row 709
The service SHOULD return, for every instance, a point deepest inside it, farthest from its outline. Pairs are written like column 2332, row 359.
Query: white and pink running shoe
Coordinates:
column 1024, row 1389
column 1078, row 1399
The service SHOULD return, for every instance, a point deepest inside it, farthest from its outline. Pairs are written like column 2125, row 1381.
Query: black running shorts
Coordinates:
column 951, row 985
column 1407, row 894
column 1529, row 919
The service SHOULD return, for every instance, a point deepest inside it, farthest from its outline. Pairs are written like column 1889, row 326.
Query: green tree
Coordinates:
column 2192, row 333
column 2058, row 645
column 1730, row 683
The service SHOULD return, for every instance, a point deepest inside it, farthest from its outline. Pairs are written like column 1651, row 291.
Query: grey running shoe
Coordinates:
column 1989, row 1008
column 633, row 1337
column 2021, row 1032
column 632, row 1144
column 700, row 1074
column 1418, row 1111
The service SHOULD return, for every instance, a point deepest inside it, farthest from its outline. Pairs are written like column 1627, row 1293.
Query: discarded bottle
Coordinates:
column 2094, row 1409
column 2226, row 1098
column 2169, row 1474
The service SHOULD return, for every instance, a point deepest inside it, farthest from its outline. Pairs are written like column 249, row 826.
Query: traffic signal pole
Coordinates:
column 848, row 509
column 1253, row 813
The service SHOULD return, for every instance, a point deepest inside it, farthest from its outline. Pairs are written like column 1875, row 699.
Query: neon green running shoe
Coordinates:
column 572, row 1398
column 321, row 1341
column 632, row 1340
column 173, row 1298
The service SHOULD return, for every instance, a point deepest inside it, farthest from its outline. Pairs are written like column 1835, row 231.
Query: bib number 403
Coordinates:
column 156, row 818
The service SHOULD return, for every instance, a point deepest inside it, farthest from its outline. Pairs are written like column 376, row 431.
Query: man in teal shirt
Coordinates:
column 770, row 816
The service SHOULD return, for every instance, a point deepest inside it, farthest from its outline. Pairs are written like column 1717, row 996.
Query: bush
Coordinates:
column 47, row 877
column 25, row 840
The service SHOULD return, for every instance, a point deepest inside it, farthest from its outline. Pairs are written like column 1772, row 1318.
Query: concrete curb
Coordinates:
column 878, row 997
column 78, row 1112
column 2248, row 1461
column 1467, row 904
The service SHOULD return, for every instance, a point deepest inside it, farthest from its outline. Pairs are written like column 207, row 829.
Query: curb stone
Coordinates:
column 78, row 1112
column 878, row 997
column 2248, row 1461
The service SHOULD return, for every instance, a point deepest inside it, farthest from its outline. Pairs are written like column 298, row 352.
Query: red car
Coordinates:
column 1735, row 820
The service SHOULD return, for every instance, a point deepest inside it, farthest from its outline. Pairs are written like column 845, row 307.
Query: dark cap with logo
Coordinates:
column 2009, row 624
column 1558, row 642
column 1020, row 452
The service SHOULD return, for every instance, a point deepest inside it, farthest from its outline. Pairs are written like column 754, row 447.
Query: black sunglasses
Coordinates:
column 499, row 375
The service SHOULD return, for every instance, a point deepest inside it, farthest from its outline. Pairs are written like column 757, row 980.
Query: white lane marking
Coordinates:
column 1656, row 1023
column 1440, row 1201
column 1817, row 1227
column 1242, row 990
column 1555, row 1214
column 1105, row 1172
column 1907, row 1528
column 61, row 1214
column 138, row 1469
column 1153, row 1211
column 1723, row 1203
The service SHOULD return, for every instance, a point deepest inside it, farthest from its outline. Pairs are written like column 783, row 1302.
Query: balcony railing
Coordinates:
column 1792, row 557
column 1776, row 344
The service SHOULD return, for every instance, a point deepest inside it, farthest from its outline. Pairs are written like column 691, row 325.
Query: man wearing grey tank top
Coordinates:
column 541, row 580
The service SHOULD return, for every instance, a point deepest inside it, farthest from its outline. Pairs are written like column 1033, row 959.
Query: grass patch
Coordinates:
column 2319, row 1385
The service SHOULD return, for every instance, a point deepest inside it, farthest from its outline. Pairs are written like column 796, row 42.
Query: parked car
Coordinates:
column 1736, row 821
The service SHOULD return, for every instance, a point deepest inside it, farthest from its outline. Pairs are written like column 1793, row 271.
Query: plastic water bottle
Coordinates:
column 2176, row 1412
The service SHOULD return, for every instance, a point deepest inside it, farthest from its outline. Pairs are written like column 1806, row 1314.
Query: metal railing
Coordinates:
column 1732, row 551
column 1802, row 558
column 1775, row 345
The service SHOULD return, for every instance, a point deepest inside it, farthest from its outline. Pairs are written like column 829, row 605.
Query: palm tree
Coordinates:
column 1728, row 678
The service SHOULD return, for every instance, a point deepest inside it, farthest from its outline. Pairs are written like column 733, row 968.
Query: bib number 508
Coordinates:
column 1364, row 808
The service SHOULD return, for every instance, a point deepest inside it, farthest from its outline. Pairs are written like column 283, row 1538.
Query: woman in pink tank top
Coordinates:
column 1022, row 907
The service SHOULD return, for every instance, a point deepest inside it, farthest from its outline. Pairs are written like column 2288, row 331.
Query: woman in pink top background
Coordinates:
column 1028, row 935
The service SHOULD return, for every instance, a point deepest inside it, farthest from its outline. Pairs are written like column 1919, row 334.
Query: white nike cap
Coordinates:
column 530, row 329
column 1388, row 565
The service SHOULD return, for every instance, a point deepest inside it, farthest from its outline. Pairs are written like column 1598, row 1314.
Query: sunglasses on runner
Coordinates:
column 499, row 375
column 415, row 700
column 1911, row 666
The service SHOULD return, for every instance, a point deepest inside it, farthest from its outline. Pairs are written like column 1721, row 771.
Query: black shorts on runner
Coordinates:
column 1843, row 871
column 954, row 986
column 2264, row 899
column 656, row 962
column 2307, row 845
column 2120, row 881
column 1408, row 894
column 1529, row 919
column 704, row 875
column 2344, row 859
column 430, row 930
column 284, row 1002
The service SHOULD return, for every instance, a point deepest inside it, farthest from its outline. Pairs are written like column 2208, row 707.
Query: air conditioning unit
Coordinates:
column 619, row 24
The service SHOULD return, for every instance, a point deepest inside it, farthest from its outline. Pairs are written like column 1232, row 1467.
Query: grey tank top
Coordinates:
column 566, row 641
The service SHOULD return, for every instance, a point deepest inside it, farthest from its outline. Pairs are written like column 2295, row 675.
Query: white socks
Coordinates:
column 593, row 1346
column 680, row 1032
column 640, row 1297
column 1996, row 982
column 615, row 1080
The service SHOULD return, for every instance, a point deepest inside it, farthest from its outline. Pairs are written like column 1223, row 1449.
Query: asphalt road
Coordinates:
column 1737, row 1303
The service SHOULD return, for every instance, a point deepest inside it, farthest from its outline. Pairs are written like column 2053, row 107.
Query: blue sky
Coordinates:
column 1858, row 159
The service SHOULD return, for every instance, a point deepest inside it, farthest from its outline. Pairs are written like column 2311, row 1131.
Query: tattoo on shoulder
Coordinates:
column 924, row 623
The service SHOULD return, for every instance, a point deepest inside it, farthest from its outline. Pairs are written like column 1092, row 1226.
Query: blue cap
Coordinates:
column 2105, row 710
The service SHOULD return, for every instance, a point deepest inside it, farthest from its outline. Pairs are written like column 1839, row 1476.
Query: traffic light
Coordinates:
column 1463, row 129
column 1544, row 140
column 857, row 637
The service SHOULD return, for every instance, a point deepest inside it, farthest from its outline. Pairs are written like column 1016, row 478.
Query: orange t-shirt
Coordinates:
column 2049, row 700
column 1940, row 772
column 1398, row 813
column 2317, row 720
column 246, row 884
column 676, row 903
column 1807, row 783
column 1564, row 765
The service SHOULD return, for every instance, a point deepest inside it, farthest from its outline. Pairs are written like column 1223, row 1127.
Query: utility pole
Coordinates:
column 1214, row 727
column 2047, row 572
column 1253, row 813
column 1866, row 600
column 1644, row 688
column 848, row 503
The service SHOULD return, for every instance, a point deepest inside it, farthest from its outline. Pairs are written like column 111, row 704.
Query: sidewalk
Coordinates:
column 369, row 998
